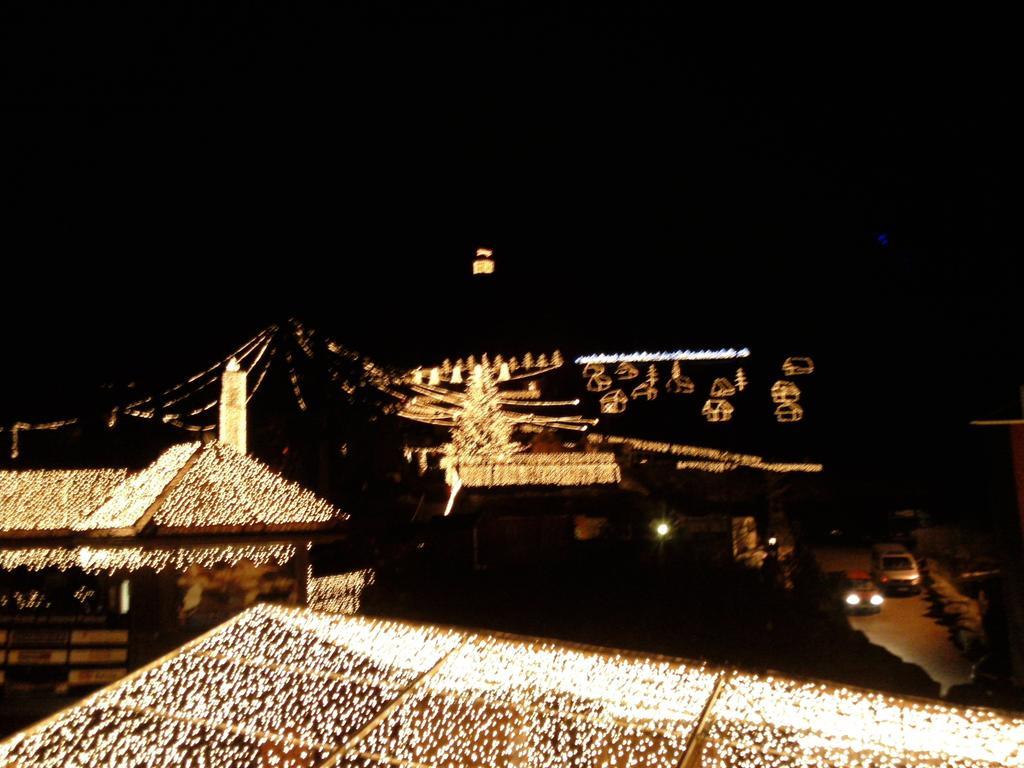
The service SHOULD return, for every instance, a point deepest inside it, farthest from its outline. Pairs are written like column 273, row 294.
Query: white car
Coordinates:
column 895, row 569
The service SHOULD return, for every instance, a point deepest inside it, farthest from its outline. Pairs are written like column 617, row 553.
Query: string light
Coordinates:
column 338, row 593
column 661, row 357
column 137, row 493
column 179, row 393
column 455, row 483
column 257, row 352
column 22, row 426
column 768, row 721
column 561, row 468
column 295, row 687
column 294, row 378
column 445, row 406
column 219, row 488
column 722, row 387
column 614, row 401
column 712, row 456
column 626, row 371
column 741, row 379
column 717, row 410
column 498, row 367
column 597, row 379
column 678, row 383
column 787, row 395
column 53, row 499
column 482, row 451
column 133, row 558
column 649, row 388
column 720, row 466
column 226, row 489
column 797, row 366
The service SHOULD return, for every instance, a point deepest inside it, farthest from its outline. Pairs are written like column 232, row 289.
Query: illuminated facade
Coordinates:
column 290, row 688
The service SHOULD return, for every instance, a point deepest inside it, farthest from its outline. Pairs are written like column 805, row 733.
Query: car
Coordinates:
column 895, row 569
column 859, row 593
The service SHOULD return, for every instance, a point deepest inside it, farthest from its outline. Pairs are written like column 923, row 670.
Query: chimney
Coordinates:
column 232, row 406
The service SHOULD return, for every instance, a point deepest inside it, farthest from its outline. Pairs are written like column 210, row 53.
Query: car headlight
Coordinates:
column 853, row 599
column 877, row 600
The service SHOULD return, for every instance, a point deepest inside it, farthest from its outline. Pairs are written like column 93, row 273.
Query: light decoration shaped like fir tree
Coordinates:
column 482, row 428
column 445, row 405
column 483, row 420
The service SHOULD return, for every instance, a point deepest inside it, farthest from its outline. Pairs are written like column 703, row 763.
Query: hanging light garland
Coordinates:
column 102, row 559
column 559, row 468
column 662, row 357
column 338, row 593
column 714, row 460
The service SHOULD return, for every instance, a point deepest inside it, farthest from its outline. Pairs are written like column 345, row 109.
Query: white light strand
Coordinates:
column 263, row 374
column 564, row 468
column 294, row 377
column 659, row 357
column 497, row 366
column 338, row 593
column 728, row 459
column 239, row 354
column 100, row 559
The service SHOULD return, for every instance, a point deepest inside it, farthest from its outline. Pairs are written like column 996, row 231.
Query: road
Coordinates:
column 904, row 626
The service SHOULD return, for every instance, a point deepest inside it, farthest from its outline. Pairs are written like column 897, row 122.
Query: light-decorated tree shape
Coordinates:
column 741, row 379
column 482, row 428
column 443, row 404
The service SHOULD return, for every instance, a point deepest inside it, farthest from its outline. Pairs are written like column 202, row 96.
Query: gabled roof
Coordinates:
column 55, row 500
column 223, row 490
column 189, row 489
column 294, row 687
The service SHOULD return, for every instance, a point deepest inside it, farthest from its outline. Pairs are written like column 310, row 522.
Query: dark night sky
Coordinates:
column 173, row 179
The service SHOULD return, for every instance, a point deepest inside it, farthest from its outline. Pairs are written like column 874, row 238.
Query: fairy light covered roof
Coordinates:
column 61, row 499
column 224, row 489
column 189, row 489
column 293, row 687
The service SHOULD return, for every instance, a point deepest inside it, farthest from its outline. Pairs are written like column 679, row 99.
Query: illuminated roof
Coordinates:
column 293, row 687
column 188, row 489
column 224, row 489
column 59, row 499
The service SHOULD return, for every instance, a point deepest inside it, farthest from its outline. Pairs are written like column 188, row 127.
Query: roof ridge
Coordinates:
column 161, row 497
